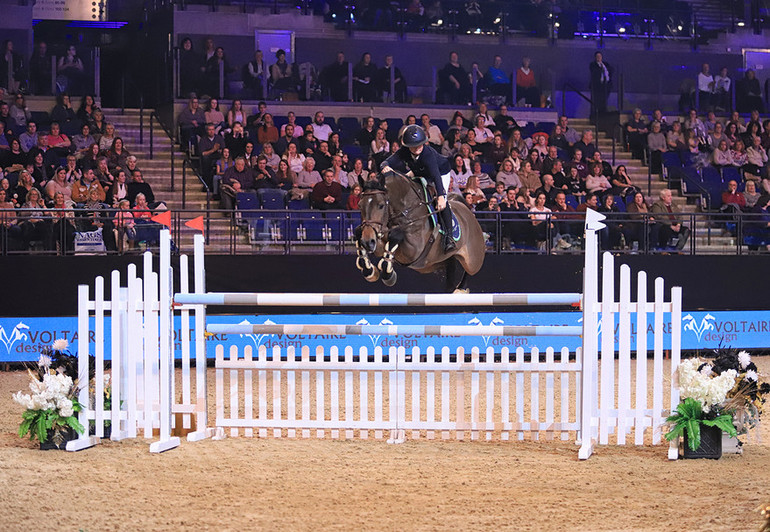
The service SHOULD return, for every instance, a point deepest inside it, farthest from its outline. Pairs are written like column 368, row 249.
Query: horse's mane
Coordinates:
column 372, row 185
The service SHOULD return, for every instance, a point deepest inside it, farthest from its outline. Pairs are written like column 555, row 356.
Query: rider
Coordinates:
column 422, row 160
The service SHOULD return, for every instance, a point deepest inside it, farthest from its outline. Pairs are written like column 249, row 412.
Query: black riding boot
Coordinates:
column 445, row 217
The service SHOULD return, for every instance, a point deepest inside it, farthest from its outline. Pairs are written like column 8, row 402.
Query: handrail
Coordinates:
column 746, row 226
column 702, row 192
column 574, row 89
column 170, row 136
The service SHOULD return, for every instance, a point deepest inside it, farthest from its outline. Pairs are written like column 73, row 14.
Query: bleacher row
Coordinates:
column 708, row 182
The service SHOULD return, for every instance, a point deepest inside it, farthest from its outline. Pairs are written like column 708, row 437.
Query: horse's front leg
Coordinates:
column 369, row 270
column 389, row 275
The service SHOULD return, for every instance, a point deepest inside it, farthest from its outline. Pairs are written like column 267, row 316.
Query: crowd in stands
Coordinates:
column 65, row 172
column 498, row 164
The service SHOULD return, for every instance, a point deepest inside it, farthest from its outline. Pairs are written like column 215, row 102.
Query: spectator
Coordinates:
column 614, row 227
column 119, row 190
column 621, row 183
column 210, row 147
column 535, row 162
column 530, row 180
column 264, row 177
column 237, row 178
column 236, row 140
column 62, row 225
column 571, row 134
column 550, row 158
column 117, row 154
column 452, row 143
column 106, row 140
column 271, row 156
column 365, row 79
column 460, row 172
column 139, row 186
column 586, row 144
column 335, row 78
column 748, row 94
column 738, row 154
column 354, row 198
column 497, row 80
column 282, row 74
column 70, row 72
column 435, row 138
column 236, row 114
column 507, row 174
column 505, row 122
column 24, row 186
column 216, row 68
column 475, row 150
column 516, row 141
column 29, row 139
column 73, row 173
column 399, row 83
column 214, row 116
column 497, row 151
column 81, row 187
column 559, row 177
column 102, row 172
column 540, row 219
column 473, row 193
column 338, row 173
column 454, row 87
column 483, row 134
column 558, row 139
column 267, row 132
column 327, row 194
column 596, row 182
column 40, row 70
column 86, row 110
column 606, row 167
column 718, row 135
column 190, row 65
column 62, row 112
column 483, row 181
column 600, row 82
column 58, row 145
column 633, row 229
column 669, row 225
column 549, row 189
column 254, row 75
column 566, row 222
column 285, row 176
column 756, row 159
column 636, row 134
column 675, row 138
column 323, row 159
column 750, row 195
column 334, row 144
column 379, row 149
column 705, row 87
column 321, row 130
column 20, row 113
column 295, row 159
column 306, row 179
column 526, row 87
column 459, row 126
column 191, row 123
column 81, row 144
column 365, row 136
column 722, row 156
column 721, row 95
column 732, row 199
column 14, row 161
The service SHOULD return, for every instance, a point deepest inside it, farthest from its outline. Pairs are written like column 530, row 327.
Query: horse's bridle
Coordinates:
column 392, row 215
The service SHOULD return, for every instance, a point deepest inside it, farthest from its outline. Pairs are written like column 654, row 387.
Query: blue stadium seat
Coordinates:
column 730, row 173
column 620, row 203
column 671, row 159
column 572, row 201
column 246, row 203
column 348, row 127
column 299, row 204
column 303, row 120
column 279, row 121
column 272, row 198
column 351, row 222
column 545, row 127
column 442, row 124
column 394, row 124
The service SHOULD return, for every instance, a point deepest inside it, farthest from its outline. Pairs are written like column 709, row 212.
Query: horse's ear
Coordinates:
column 381, row 179
column 361, row 183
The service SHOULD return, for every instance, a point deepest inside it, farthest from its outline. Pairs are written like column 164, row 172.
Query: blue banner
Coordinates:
column 21, row 339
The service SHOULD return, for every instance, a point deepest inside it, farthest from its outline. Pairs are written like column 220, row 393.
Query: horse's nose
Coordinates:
column 369, row 244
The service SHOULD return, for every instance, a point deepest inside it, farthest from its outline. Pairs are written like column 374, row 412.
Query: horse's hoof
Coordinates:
column 390, row 280
column 372, row 276
column 461, row 291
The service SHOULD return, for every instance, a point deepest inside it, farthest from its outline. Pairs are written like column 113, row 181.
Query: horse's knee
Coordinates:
column 389, row 278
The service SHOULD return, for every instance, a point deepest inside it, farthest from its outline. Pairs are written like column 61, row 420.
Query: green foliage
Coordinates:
column 37, row 423
column 688, row 420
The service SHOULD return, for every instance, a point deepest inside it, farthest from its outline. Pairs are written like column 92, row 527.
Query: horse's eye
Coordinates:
column 381, row 206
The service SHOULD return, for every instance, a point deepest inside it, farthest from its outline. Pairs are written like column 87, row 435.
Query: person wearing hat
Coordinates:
column 281, row 72
column 417, row 157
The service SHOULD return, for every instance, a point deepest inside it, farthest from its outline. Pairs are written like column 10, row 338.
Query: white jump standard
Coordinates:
column 381, row 392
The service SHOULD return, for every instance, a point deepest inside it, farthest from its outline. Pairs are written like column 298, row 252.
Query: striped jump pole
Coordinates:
column 397, row 330
column 376, row 300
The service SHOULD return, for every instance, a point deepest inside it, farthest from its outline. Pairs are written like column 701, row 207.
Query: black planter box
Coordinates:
column 710, row 444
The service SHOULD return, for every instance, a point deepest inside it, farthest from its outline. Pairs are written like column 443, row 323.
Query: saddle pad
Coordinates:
column 456, row 232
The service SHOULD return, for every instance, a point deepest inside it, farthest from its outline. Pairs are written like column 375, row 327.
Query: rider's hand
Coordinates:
column 385, row 169
column 441, row 203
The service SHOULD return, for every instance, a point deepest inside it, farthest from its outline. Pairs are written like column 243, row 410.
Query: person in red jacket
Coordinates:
column 732, row 200
column 328, row 193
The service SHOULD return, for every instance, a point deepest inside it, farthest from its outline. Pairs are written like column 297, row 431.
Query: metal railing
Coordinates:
column 260, row 231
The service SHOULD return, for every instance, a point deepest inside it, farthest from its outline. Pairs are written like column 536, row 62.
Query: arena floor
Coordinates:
column 253, row 484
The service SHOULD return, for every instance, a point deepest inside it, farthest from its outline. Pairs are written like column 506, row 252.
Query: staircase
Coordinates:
column 709, row 240
column 157, row 172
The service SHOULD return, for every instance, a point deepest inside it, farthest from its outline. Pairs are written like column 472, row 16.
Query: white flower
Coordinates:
column 706, row 370
column 44, row 361
column 744, row 359
column 65, row 407
column 106, row 380
column 751, row 375
column 706, row 389
column 60, row 344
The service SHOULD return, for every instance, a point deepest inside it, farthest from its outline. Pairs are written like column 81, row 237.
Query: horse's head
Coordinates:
column 375, row 211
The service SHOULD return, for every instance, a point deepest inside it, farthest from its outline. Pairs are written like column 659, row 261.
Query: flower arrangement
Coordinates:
column 52, row 405
column 725, row 393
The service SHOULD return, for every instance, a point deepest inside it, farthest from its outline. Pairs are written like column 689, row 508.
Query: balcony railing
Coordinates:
column 98, row 231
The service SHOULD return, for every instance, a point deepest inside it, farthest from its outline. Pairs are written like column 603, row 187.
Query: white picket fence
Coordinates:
column 596, row 395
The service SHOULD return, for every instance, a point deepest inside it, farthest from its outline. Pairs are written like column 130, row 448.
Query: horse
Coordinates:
column 397, row 225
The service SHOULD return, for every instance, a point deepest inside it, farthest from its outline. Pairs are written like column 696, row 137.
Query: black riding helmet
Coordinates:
column 413, row 136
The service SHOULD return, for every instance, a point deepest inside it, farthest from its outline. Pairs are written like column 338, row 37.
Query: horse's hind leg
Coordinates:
column 452, row 284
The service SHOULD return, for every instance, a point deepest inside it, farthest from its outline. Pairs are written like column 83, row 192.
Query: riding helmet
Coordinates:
column 413, row 136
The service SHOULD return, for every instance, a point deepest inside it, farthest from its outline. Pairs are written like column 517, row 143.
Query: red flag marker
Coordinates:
column 163, row 218
column 196, row 223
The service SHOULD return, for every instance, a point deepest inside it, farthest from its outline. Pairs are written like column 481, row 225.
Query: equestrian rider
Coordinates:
column 423, row 161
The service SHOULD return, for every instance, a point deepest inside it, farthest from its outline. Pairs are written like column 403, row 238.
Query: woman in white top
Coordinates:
column 484, row 135
column 459, row 172
column 236, row 114
column 294, row 159
column 539, row 216
column 380, row 144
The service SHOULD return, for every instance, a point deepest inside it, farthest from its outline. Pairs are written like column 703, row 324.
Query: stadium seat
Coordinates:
column 348, row 127
column 246, row 205
column 299, row 204
column 272, row 198
column 730, row 173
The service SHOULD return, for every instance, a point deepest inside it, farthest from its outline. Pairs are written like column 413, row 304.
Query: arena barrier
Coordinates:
column 590, row 395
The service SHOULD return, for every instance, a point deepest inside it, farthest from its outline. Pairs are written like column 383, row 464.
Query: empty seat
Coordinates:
column 246, row 204
column 299, row 204
column 272, row 198
column 731, row 173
